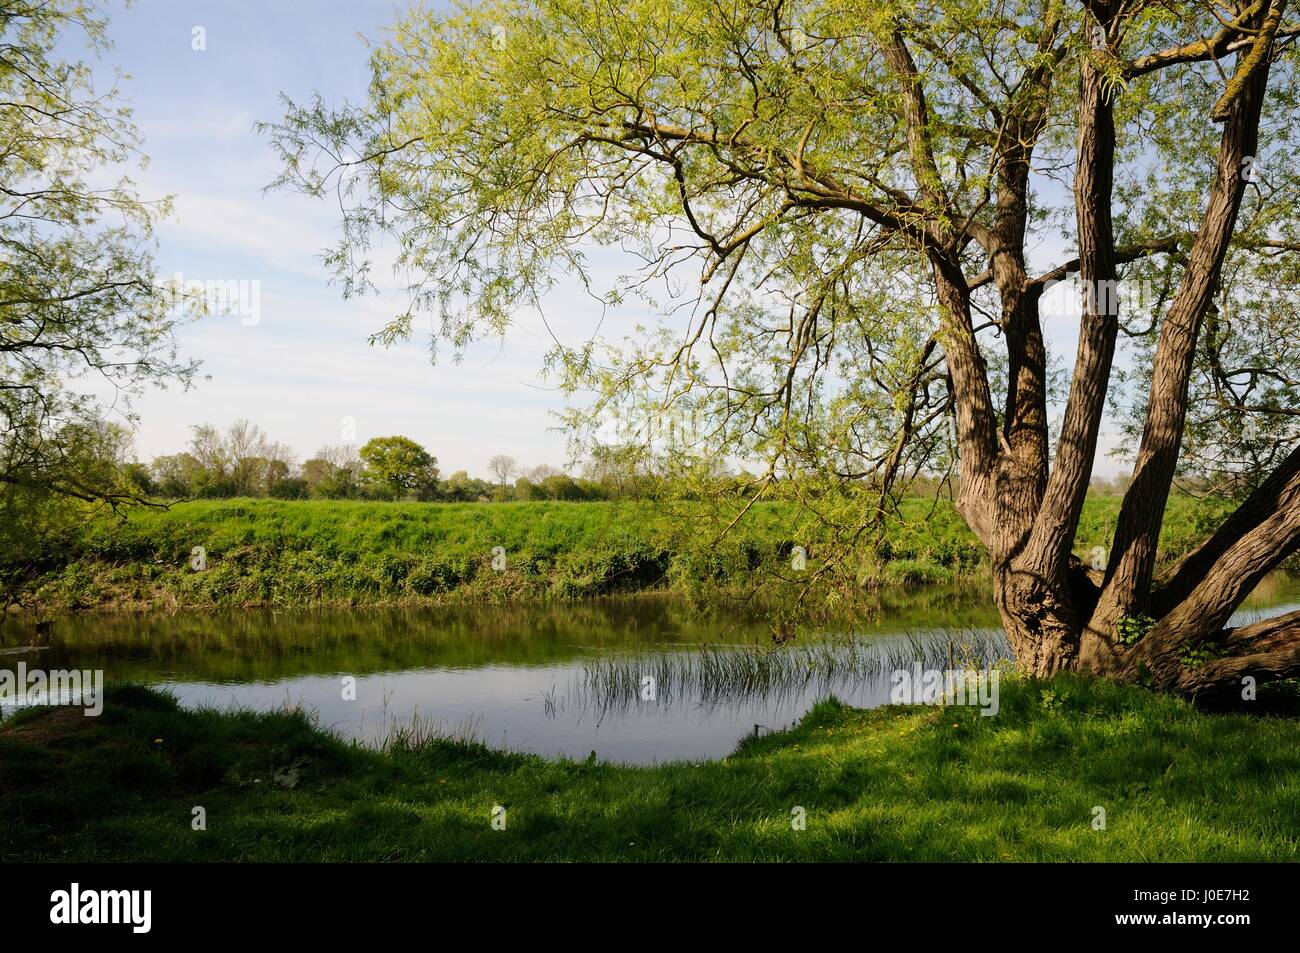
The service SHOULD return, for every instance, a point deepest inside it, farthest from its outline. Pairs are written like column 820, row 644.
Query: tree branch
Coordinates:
column 1057, row 520
column 1280, row 490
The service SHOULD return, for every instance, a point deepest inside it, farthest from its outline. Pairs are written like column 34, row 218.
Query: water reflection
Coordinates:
column 556, row 680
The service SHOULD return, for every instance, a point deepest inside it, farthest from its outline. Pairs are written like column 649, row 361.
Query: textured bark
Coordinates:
column 1235, row 574
column 1133, row 555
column 968, row 372
column 1039, row 575
column 1264, row 651
column 973, row 403
column 1022, row 467
column 1058, row 520
column 1278, row 633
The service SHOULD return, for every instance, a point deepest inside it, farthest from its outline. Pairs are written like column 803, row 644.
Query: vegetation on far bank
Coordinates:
column 314, row 553
column 896, row 783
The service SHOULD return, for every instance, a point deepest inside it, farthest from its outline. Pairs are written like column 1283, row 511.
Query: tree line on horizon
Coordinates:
column 242, row 461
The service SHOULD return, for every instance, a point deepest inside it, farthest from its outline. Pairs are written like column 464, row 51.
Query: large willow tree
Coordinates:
column 863, row 195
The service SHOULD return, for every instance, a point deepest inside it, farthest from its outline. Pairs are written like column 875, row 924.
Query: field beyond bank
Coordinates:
column 274, row 553
column 1069, row 770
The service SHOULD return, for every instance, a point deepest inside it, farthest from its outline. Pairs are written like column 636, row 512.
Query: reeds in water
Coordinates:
column 719, row 675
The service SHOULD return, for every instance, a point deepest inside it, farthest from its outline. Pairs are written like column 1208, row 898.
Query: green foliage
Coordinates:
column 78, row 299
column 1196, row 656
column 39, row 527
column 399, row 464
column 506, row 142
column 289, row 488
column 1132, row 628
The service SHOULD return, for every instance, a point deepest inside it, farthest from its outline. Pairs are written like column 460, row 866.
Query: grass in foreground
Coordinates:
column 890, row 784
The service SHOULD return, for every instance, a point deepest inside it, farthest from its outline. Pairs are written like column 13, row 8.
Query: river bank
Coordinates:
column 335, row 554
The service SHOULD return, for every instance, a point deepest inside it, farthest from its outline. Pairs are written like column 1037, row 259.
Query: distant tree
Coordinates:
column 399, row 464
column 341, row 483
column 458, row 488
column 208, row 449
column 540, row 472
column 503, row 468
column 276, row 471
column 429, row 491
column 623, row 470
column 588, row 490
column 524, row 489
column 334, row 473
column 208, row 487
column 288, row 488
column 561, row 487
column 236, row 461
column 175, row 476
column 138, row 479
column 315, row 472
column 248, row 450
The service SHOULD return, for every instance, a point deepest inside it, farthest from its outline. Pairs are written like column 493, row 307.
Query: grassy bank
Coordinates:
column 315, row 553
column 891, row 784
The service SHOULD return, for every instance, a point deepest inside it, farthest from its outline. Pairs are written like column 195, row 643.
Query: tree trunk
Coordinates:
column 1120, row 623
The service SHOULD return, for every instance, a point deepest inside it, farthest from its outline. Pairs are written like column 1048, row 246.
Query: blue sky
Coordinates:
column 305, row 368
column 305, row 365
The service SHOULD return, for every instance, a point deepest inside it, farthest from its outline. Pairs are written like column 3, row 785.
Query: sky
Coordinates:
column 303, row 370
column 201, row 73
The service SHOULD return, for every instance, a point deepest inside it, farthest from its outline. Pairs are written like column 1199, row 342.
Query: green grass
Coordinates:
column 333, row 553
column 890, row 784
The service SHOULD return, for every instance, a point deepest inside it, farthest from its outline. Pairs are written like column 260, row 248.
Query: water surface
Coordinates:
column 558, row 680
